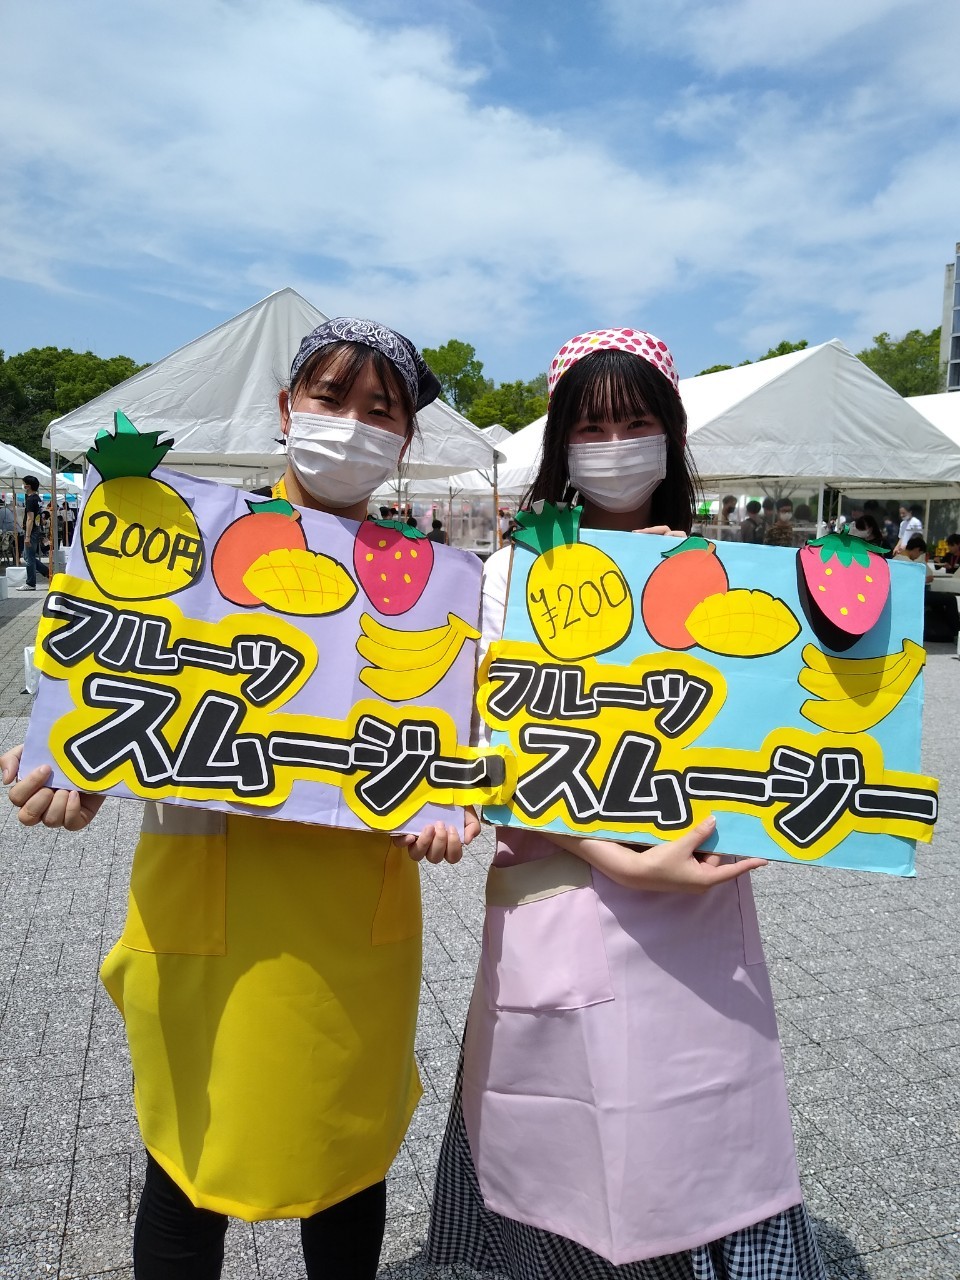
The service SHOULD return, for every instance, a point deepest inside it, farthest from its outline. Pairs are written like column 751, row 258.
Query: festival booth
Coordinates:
column 814, row 419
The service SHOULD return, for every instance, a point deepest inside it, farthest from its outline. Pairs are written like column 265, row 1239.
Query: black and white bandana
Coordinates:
column 421, row 381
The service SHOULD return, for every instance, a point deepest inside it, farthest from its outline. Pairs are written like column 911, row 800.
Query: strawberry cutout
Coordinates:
column 392, row 562
column 844, row 583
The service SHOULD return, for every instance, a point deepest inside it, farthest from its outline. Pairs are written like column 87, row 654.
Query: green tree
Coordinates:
column 784, row 348
column 46, row 382
column 911, row 364
column 460, row 372
column 512, row 404
column 781, row 349
column 56, row 380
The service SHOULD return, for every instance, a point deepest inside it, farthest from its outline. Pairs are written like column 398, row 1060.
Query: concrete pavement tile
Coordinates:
column 839, row 1233
column 405, row 1239
column 944, row 1061
column 801, row 1058
column 405, row 1196
column 440, row 1065
column 35, row 1259
column 920, row 1261
column 240, row 1252
column 35, row 1182
column 21, row 1032
column 108, row 1072
column 279, row 1255
column 917, row 1171
column 13, row 1116
column 941, row 1033
column 424, row 1154
column 844, row 1130
column 832, row 1082
column 100, row 1192
column 429, row 1118
column 29, row 1219
column 102, row 1247
column 403, row 1166
column 49, row 1131
column 120, row 1136
column 950, row 1244
column 850, row 1268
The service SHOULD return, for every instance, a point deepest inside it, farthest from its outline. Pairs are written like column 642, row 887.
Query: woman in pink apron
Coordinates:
column 622, row 1111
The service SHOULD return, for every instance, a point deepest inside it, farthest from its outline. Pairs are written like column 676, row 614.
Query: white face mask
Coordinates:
column 619, row 475
column 340, row 461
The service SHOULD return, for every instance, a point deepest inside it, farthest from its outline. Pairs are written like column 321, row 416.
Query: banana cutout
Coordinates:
column 407, row 664
column 854, row 694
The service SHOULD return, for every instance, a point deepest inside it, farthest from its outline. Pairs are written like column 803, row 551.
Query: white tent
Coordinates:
column 814, row 417
column 217, row 398
column 942, row 410
column 15, row 464
column 817, row 416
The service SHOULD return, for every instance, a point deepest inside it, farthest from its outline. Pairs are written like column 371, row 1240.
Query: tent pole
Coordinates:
column 821, row 522
column 926, row 526
column 495, row 538
column 52, row 558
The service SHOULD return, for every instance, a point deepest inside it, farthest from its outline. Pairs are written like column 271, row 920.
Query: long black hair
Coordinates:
column 613, row 386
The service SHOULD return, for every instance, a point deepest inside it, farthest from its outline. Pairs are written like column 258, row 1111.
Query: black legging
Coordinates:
column 173, row 1240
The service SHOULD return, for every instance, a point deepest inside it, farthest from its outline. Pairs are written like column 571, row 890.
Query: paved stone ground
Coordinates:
column 864, row 968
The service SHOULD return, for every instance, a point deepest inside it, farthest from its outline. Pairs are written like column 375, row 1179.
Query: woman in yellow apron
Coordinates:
column 268, row 973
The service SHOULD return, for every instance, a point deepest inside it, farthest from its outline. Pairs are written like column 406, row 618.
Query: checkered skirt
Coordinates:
column 464, row 1231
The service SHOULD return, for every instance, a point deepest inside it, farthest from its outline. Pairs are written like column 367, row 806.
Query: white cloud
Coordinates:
column 211, row 149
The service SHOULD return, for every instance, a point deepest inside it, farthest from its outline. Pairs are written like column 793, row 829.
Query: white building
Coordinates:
column 950, row 328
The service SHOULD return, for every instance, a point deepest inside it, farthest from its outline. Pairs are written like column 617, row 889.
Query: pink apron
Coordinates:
column 623, row 1084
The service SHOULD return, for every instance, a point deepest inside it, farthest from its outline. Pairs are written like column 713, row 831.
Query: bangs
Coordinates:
column 341, row 363
column 613, row 386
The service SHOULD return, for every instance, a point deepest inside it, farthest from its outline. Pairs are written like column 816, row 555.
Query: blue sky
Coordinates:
column 724, row 174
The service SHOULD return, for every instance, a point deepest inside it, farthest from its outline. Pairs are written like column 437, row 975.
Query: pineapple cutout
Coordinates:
column 140, row 539
column 578, row 601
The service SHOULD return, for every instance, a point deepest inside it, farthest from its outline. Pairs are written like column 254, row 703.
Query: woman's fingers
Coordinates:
column 38, row 802
column 664, row 531
column 471, row 824
column 30, row 786
column 80, row 809
column 10, row 764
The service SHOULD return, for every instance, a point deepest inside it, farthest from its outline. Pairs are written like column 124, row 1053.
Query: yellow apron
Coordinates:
column 268, row 976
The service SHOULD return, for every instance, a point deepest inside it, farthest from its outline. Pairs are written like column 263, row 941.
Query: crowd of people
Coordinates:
column 616, row 1115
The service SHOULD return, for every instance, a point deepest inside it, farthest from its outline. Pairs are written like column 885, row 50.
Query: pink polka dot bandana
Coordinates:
column 638, row 343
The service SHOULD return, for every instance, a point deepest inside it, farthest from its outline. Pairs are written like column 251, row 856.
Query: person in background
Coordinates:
column 505, row 524
column 866, row 527
column 32, row 533
column 916, row 549
column 952, row 559
column 769, row 509
column 436, row 533
column 728, row 517
column 781, row 533
column 803, row 516
column 910, row 526
column 751, row 526
column 7, row 530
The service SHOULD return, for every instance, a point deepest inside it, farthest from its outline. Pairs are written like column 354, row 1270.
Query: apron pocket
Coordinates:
column 178, row 884
column 546, row 951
